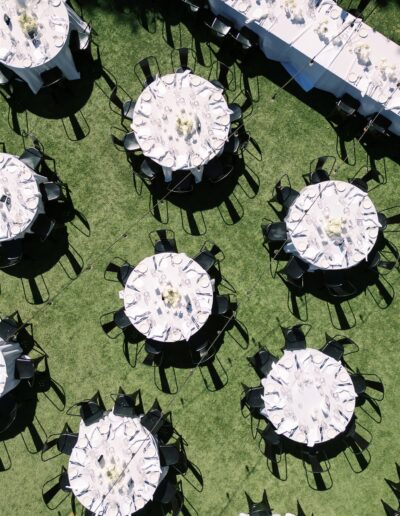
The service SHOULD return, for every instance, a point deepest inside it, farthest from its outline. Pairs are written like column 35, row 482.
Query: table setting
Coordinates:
column 181, row 121
column 168, row 297
column 9, row 352
column 34, row 36
column 114, row 468
column 332, row 225
column 309, row 397
column 20, row 198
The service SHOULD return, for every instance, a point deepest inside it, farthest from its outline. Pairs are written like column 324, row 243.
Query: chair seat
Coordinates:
column 182, row 182
column 50, row 191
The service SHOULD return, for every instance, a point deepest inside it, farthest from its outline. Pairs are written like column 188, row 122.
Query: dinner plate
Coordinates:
column 32, row 202
column 301, row 245
column 373, row 232
column 55, row 3
column 341, row 186
column 168, row 161
column 363, row 33
column 141, row 267
column 146, row 96
column 334, row 14
column 146, row 145
column 195, row 80
column 59, row 41
column 204, row 281
column 353, row 77
column 143, row 326
column 202, row 317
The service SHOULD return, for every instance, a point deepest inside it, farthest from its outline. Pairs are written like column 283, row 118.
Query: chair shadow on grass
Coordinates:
column 64, row 101
column 226, row 197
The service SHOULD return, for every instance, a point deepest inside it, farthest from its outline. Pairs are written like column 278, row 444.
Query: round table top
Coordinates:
column 181, row 121
column 332, row 225
column 309, row 397
column 168, row 297
column 114, row 468
column 20, row 198
column 49, row 18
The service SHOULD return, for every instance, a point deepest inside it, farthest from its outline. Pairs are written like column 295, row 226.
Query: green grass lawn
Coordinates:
column 82, row 359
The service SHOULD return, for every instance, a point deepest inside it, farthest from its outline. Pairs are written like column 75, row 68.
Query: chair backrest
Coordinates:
column 121, row 319
column 169, row 455
column 92, row 410
column 66, row 442
column 24, row 368
column 205, row 259
column 270, row 436
column 50, row 191
column 359, row 383
column 334, row 350
column 262, row 362
column 253, row 397
column 43, row 226
column 163, row 241
column 221, row 305
column 124, row 272
column 8, row 329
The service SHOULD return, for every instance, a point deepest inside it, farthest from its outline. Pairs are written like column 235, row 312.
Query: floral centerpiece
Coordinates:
column 184, row 126
column 171, row 297
column 389, row 72
column 362, row 52
column 322, row 28
column 334, row 227
column 28, row 23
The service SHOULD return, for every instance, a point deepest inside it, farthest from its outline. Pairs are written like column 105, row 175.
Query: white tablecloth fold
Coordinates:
column 332, row 225
column 309, row 397
column 168, row 297
column 114, row 469
column 9, row 352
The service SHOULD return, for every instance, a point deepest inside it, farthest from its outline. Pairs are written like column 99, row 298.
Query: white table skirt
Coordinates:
column 114, row 468
column 325, row 35
column 309, row 397
column 9, row 352
column 181, row 121
column 29, row 62
column 332, row 225
column 21, row 186
column 148, row 305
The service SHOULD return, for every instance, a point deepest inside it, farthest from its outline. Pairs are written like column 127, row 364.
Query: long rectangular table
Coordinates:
column 322, row 46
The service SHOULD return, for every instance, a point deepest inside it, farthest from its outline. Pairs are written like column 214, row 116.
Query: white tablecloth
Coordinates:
column 114, row 469
column 18, row 52
column 9, row 352
column 20, row 198
column 159, row 122
column 148, row 305
column 332, row 225
column 309, row 397
column 346, row 59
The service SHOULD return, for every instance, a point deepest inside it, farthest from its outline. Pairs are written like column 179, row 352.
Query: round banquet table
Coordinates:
column 9, row 352
column 20, row 198
column 27, row 57
column 308, row 396
column 181, row 121
column 332, row 225
column 114, row 468
column 148, row 303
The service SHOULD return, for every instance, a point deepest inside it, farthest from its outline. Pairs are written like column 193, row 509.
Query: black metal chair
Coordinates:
column 245, row 38
column 8, row 329
column 60, row 486
column 144, row 70
column 237, row 113
column 333, row 349
column 342, row 342
column 32, row 157
column 295, row 337
column 169, row 455
column 316, row 463
column 284, row 195
column 153, row 420
column 128, row 405
column 24, row 368
column 252, row 399
column 387, row 218
column 121, row 319
column 389, row 511
column 149, row 170
column 293, row 272
column 90, row 410
column 8, row 411
column 43, row 226
column 360, row 183
column 218, row 26
column 218, row 169
column 274, row 232
column 262, row 362
column 163, row 241
column 64, row 442
column 195, row 5
column 347, row 106
column 122, row 271
column 125, row 107
column 11, row 252
column 222, row 76
column 319, row 171
column 183, row 59
column 52, row 77
column 51, row 191
column 358, row 445
column 221, row 305
column 364, row 383
column 337, row 284
column 261, row 508
column 182, row 182
column 126, row 142
column 273, row 445
column 378, row 126
column 209, row 256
